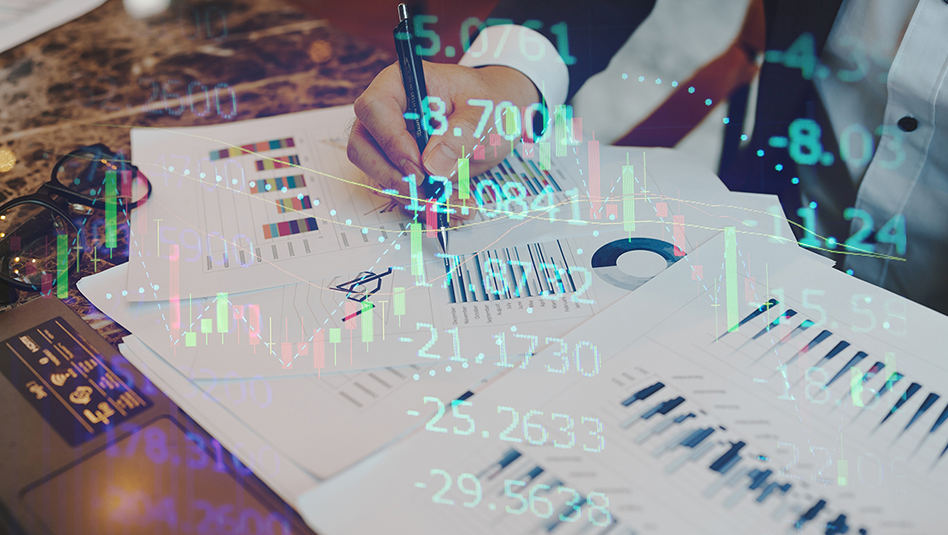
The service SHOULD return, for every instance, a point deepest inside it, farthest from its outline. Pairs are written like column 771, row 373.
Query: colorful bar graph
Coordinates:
column 277, row 184
column 335, row 336
column 368, row 329
column 417, row 260
column 174, row 297
column 678, row 226
column 278, row 163
column 111, row 190
column 62, row 266
column 293, row 204
column 222, row 319
column 288, row 228
column 253, row 313
column 464, row 178
column 262, row 146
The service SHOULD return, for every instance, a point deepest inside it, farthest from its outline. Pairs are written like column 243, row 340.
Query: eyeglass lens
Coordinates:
column 103, row 176
column 37, row 244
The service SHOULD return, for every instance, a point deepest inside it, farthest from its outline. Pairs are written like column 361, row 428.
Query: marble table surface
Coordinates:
column 96, row 77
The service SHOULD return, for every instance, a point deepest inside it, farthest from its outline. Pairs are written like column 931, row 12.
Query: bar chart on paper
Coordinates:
column 279, row 199
column 532, row 270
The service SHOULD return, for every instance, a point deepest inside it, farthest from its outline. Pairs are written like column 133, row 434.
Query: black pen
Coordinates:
column 413, row 78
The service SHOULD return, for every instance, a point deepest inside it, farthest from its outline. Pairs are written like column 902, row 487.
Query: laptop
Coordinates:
column 89, row 446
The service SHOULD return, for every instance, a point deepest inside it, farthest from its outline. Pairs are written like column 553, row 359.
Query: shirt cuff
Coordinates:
column 526, row 50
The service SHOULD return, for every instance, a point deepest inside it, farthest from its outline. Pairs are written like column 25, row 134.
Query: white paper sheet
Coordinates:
column 255, row 450
column 234, row 234
column 832, row 466
column 514, row 296
column 360, row 401
column 22, row 20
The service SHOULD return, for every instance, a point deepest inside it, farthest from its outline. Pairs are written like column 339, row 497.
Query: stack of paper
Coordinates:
column 318, row 334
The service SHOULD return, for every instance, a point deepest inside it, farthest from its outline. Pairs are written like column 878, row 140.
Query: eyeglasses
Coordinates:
column 39, row 238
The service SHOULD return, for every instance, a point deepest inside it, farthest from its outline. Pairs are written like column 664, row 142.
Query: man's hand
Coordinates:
column 383, row 148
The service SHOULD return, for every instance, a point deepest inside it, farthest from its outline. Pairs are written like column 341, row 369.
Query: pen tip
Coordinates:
column 402, row 12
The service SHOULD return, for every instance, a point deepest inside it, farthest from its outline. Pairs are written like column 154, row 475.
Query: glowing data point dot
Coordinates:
column 332, row 212
column 202, row 175
column 381, row 239
column 868, row 299
column 398, row 247
column 529, row 310
column 831, row 242
column 885, row 325
column 691, row 89
column 171, row 169
column 743, row 137
column 779, row 167
column 485, row 434
column 348, row 221
column 108, row 296
column 447, row 369
column 234, row 181
column 155, row 286
column 316, row 202
column 253, row 183
column 625, row 76
column 795, row 180
column 641, row 78
column 431, row 373
column 464, row 365
column 187, row 172
column 124, row 293
column 727, row 120
column 658, row 81
column 299, row 196
column 283, row 189
column 365, row 230
column 612, row 217
column 813, row 204
column 268, row 187
column 141, row 289
column 513, row 328
column 708, row 102
column 415, row 377
column 579, row 251
column 595, row 233
column 760, row 153
column 674, row 83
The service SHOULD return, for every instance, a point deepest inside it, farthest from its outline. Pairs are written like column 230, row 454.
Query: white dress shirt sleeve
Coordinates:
column 526, row 50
